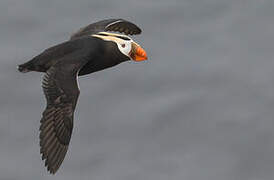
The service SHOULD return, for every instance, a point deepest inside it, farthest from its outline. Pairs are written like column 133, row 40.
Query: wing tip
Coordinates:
column 53, row 165
column 127, row 27
column 52, row 150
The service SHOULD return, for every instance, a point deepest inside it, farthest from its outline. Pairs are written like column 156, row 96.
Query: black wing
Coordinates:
column 118, row 25
column 61, row 91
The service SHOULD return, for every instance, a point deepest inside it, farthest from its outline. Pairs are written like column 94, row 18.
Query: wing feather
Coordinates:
column 61, row 92
column 119, row 25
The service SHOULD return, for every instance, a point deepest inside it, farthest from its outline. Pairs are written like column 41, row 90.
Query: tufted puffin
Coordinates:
column 90, row 49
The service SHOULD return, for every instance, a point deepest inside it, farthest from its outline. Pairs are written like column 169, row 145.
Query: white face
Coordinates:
column 123, row 42
column 124, row 47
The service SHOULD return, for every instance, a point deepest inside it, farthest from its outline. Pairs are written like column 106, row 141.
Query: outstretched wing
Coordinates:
column 61, row 91
column 118, row 25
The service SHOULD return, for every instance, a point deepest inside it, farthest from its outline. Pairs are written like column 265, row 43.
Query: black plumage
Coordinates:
column 81, row 55
column 98, row 53
column 118, row 25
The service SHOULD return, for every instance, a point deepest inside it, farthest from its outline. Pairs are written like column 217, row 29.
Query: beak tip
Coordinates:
column 145, row 57
column 140, row 55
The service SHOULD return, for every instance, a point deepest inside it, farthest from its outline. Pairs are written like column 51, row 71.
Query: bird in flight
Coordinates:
column 90, row 49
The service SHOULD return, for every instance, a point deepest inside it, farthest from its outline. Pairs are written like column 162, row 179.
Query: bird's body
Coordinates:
column 89, row 50
column 98, row 55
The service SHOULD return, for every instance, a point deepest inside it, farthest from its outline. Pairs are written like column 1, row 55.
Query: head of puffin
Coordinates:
column 125, row 45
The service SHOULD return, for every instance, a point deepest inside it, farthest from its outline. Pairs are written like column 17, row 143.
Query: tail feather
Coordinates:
column 24, row 67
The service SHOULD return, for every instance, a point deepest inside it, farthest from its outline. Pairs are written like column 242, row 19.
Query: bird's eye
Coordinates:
column 123, row 45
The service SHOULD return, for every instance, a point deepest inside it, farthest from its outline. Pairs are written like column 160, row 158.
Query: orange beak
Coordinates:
column 138, row 54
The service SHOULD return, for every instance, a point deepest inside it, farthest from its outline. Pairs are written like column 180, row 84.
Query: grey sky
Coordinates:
column 200, row 108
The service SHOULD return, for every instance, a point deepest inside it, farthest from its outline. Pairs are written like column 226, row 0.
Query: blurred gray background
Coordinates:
column 201, row 107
